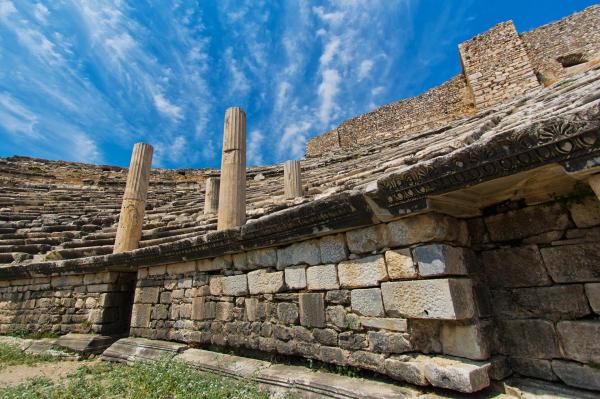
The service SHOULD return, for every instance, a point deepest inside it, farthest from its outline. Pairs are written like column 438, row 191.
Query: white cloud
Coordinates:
column 84, row 149
column 331, row 48
column 6, row 8
column 239, row 84
column 41, row 13
column 163, row 105
column 15, row 118
column 328, row 90
column 255, row 148
column 377, row 90
column 365, row 69
column 293, row 141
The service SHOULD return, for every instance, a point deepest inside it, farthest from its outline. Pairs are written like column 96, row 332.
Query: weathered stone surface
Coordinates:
column 333, row 249
column 580, row 340
column 586, row 212
column 573, row 263
column 368, row 239
column 216, row 285
column 295, row 277
column 515, row 267
column 445, row 299
column 392, row 324
column 526, row 222
column 426, row 228
column 181, row 268
column 529, row 338
column 322, row 277
column 146, row 295
column 577, row 375
column 341, row 297
column 554, row 302
column 468, row 341
column 367, row 302
column 202, row 309
column 306, row 252
column 287, row 312
column 385, row 342
column 364, row 272
column 262, row 258
column 235, row 285
column 593, row 294
column 367, row 360
column 224, row 311
column 312, row 310
column 351, row 340
column 406, row 368
column 400, row 264
column 535, row 368
column 326, row 336
column 460, row 376
column 440, row 260
column 140, row 315
column 261, row 282
column 251, row 308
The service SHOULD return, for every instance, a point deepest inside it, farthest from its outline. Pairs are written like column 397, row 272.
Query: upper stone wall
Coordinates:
column 498, row 65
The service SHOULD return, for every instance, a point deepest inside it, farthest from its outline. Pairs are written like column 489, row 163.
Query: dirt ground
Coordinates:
column 14, row 375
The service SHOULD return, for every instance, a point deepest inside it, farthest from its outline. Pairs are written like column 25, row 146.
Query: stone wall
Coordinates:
column 571, row 36
column 497, row 66
column 62, row 304
column 388, row 298
column 542, row 265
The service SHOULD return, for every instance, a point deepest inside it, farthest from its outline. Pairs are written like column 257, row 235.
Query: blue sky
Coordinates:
column 84, row 80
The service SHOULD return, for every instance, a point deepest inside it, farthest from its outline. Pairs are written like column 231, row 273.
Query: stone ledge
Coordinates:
column 141, row 349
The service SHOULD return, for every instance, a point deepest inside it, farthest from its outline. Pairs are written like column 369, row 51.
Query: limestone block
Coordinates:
column 457, row 375
column 306, row 252
column 577, row 375
column 426, row 228
column 385, row 342
column 224, row 311
column 526, row 222
column 216, row 285
column 312, row 310
column 336, row 315
column 367, row 302
column 444, row 299
column 406, row 368
column 202, row 309
column 207, row 265
column 468, row 341
column 392, row 324
column 573, row 263
column 368, row 239
column 334, row 355
column 322, row 277
column 367, row 360
column 585, row 213
column 364, row 272
column 400, row 264
column 146, row 295
column 333, row 248
column 341, row 297
column 100, row 278
column 251, row 307
column 222, row 262
column 235, row 285
column 515, row 267
column 529, row 338
column 352, row 341
column 240, row 261
column 181, row 268
column 440, row 260
column 580, row 340
column 326, row 336
column 295, row 277
column 262, row 258
column 535, row 368
column 140, row 315
column 593, row 294
column 262, row 282
column 287, row 313
column 66, row 281
column 554, row 302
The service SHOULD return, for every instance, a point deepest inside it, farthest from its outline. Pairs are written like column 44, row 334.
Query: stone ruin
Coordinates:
column 448, row 240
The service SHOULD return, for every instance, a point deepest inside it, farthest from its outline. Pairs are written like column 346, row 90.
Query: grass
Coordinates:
column 164, row 379
column 11, row 356
column 33, row 335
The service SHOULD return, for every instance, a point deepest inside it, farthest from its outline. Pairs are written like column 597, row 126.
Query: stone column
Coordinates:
column 232, row 192
column 594, row 183
column 211, row 195
column 292, row 181
column 131, row 218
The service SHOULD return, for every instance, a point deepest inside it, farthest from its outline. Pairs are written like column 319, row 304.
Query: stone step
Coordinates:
column 141, row 349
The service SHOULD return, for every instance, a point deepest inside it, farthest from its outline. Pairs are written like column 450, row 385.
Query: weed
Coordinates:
column 11, row 356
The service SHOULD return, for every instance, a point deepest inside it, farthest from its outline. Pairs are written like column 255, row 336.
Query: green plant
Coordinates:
column 11, row 355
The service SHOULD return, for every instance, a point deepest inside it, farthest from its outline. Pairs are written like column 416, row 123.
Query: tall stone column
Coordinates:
column 292, row 180
column 594, row 183
column 131, row 219
column 232, row 192
column 211, row 195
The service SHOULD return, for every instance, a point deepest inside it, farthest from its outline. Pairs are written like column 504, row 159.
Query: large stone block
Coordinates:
column 515, row 267
column 364, row 272
column 261, row 282
column 385, row 342
column 585, row 213
column 526, row 222
column 593, row 294
column 333, row 249
column 400, row 264
column 306, row 252
column 367, row 302
column 224, row 311
column 146, row 295
column 322, row 277
column 262, row 258
column 444, row 299
column 577, row 375
column 460, row 376
column 426, row 228
column 66, row 281
column 216, row 286
column 295, row 277
column 287, row 313
column 140, row 315
column 312, row 310
column 580, row 340
column 202, row 309
column 392, row 324
column 251, row 308
column 441, row 260
column 470, row 341
column 554, row 302
column 529, row 338
column 535, row 368
column 235, row 285
column 573, row 263
column 406, row 368
column 368, row 239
